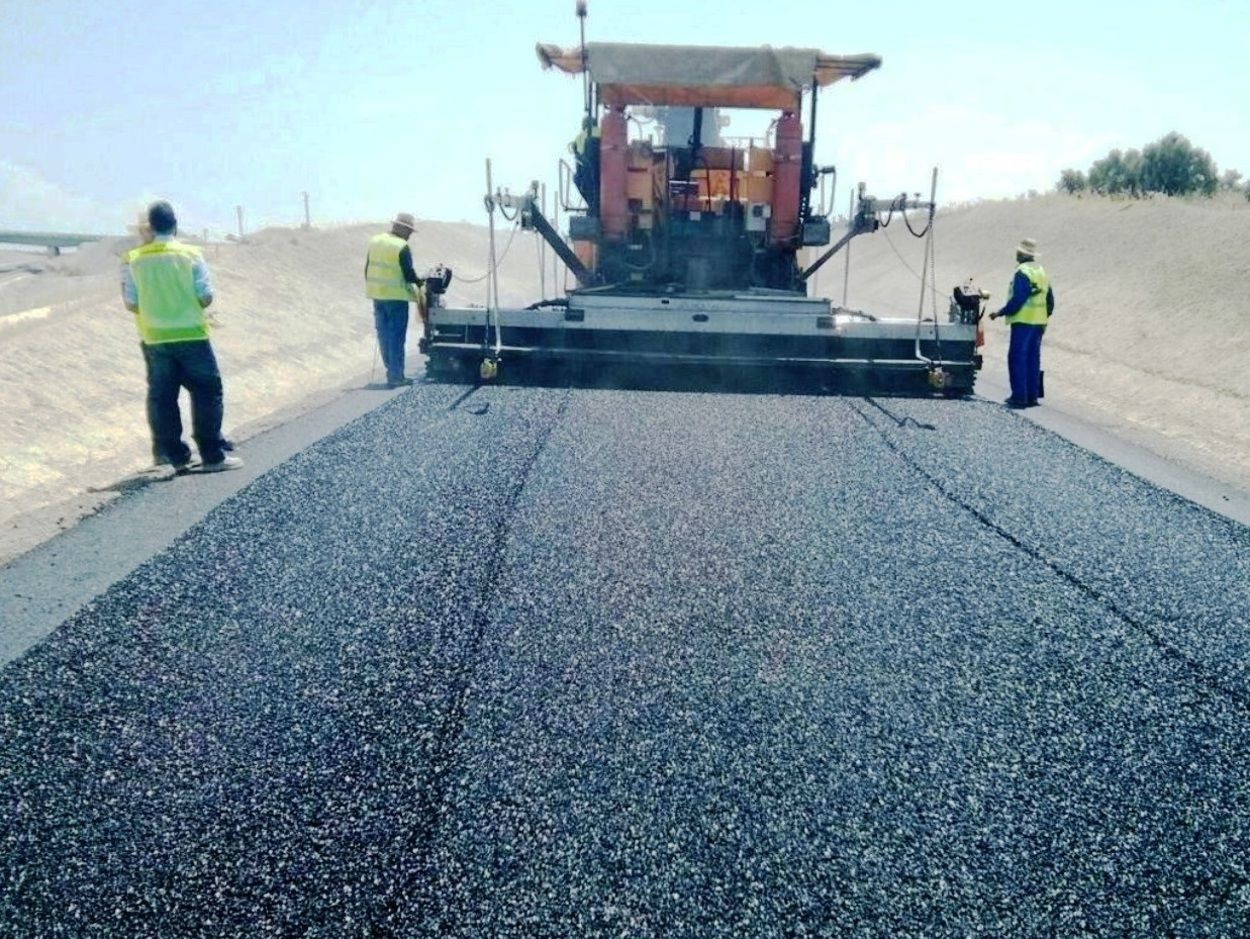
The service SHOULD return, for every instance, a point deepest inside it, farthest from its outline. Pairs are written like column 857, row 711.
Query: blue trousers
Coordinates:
column 1024, row 362
column 391, row 319
column 173, row 366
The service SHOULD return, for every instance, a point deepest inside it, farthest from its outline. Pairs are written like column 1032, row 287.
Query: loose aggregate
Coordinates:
column 540, row 661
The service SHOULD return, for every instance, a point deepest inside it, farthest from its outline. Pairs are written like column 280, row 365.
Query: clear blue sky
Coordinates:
column 385, row 106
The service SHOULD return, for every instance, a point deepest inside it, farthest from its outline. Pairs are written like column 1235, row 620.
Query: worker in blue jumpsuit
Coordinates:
column 1029, row 307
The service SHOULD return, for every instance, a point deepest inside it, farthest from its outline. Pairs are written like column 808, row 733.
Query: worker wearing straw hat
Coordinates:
column 391, row 283
column 1028, row 309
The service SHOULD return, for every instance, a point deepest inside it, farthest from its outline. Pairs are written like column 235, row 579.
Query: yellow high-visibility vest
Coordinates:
column 384, row 278
column 169, row 310
column 578, row 146
column 1033, row 313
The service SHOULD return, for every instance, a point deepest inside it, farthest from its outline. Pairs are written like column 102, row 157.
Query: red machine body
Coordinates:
column 614, row 175
column 786, row 177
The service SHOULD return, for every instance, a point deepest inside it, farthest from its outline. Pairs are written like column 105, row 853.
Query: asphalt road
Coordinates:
column 539, row 661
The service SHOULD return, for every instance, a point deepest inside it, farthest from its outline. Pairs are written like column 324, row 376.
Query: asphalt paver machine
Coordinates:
column 690, row 248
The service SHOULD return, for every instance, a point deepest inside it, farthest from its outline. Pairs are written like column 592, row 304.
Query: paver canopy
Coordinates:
column 704, row 76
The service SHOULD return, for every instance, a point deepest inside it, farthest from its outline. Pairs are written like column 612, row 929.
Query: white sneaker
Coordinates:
column 225, row 463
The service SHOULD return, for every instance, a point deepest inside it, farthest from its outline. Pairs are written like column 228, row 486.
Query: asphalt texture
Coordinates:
column 543, row 661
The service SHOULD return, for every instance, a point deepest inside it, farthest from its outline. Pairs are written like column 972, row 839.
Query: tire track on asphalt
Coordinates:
column 1200, row 673
column 432, row 789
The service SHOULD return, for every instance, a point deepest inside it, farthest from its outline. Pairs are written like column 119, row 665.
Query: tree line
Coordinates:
column 1171, row 165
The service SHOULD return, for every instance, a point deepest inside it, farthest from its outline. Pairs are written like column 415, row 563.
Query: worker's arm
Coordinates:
column 405, row 265
column 130, row 296
column 1050, row 302
column 1020, row 290
column 203, row 282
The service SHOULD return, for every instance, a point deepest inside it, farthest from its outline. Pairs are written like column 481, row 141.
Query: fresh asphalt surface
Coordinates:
column 548, row 661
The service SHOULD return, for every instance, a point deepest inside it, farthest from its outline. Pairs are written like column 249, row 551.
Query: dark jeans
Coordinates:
column 1024, row 362
column 173, row 366
column 391, row 319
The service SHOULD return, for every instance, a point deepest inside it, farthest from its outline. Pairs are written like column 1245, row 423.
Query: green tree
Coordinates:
column 1174, row 166
column 1113, row 174
column 1133, row 173
column 1102, row 173
column 1072, row 182
column 1231, row 179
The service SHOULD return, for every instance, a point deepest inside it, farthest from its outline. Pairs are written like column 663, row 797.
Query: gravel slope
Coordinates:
column 551, row 662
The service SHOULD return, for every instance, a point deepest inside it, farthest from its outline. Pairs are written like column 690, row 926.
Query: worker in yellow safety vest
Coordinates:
column 585, row 150
column 142, row 231
column 166, row 284
column 1029, row 308
column 391, row 283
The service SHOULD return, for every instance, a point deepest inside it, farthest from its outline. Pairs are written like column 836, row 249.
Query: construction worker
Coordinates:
column 166, row 285
column 392, row 283
column 1030, row 304
column 585, row 150
column 143, row 233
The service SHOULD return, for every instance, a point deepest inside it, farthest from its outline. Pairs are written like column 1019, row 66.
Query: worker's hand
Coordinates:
column 994, row 316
